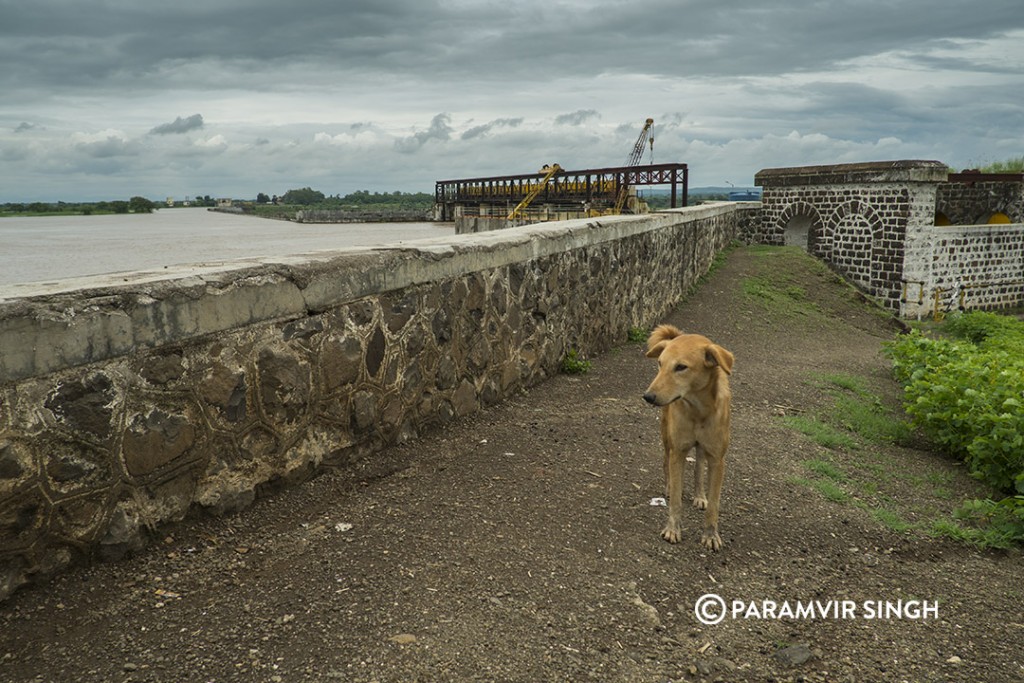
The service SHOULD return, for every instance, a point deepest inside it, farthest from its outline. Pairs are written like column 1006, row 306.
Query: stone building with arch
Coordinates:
column 908, row 233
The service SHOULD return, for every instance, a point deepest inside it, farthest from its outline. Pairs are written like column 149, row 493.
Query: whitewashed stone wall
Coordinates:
column 964, row 267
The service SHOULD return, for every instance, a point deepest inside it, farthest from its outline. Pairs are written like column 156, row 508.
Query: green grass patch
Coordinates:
column 821, row 433
column 891, row 519
column 779, row 298
column 830, row 490
column 717, row 262
column 870, row 420
column 852, row 383
column 826, row 469
column 856, row 420
column 828, row 480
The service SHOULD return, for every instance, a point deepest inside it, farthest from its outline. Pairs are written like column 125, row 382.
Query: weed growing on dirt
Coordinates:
column 858, row 420
column 851, row 383
column 827, row 488
column 637, row 335
column 861, row 412
column 826, row 469
column 821, row 433
column 871, row 421
column 574, row 363
column 891, row 519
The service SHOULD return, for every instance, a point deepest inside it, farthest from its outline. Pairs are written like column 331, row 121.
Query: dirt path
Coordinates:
column 520, row 545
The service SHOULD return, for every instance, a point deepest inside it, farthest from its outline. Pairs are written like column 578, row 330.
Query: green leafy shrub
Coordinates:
column 966, row 393
column 969, row 397
column 1000, row 524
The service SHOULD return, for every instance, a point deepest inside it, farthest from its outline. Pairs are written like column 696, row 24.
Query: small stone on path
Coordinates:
column 794, row 655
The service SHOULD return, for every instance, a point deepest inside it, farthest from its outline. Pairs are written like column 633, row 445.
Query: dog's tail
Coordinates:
column 662, row 333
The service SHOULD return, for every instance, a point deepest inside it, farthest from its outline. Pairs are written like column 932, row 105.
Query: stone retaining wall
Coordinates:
column 125, row 405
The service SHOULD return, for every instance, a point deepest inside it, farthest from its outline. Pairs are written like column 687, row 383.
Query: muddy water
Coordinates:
column 46, row 249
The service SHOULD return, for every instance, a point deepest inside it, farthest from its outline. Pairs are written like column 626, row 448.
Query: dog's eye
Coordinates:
column 680, row 367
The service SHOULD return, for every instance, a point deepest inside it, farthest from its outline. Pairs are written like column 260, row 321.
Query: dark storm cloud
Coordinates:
column 440, row 129
column 179, row 125
column 746, row 84
column 78, row 44
column 577, row 118
column 107, row 147
column 478, row 131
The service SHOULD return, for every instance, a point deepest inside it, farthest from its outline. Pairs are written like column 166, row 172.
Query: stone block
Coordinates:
column 154, row 440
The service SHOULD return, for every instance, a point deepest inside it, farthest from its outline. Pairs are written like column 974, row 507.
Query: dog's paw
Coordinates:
column 700, row 502
column 711, row 540
column 672, row 532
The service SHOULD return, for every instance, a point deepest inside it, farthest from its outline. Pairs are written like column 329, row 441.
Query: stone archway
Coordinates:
column 801, row 225
column 797, row 231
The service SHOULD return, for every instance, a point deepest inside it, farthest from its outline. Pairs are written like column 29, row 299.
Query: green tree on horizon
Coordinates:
column 304, row 196
column 141, row 205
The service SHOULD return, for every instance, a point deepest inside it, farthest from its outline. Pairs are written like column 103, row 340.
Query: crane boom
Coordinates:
column 634, row 159
column 638, row 147
column 549, row 173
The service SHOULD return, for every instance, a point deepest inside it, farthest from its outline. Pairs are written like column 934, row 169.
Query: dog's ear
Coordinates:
column 656, row 349
column 663, row 333
column 715, row 355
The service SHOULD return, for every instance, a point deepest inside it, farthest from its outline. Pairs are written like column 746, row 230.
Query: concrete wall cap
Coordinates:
column 906, row 170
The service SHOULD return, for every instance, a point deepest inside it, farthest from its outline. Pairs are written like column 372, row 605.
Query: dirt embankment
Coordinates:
column 521, row 545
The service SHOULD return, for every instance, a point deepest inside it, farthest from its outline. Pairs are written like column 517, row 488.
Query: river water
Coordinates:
column 52, row 248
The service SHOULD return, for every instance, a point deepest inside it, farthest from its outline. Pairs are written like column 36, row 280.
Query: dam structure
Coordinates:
column 131, row 401
column 136, row 400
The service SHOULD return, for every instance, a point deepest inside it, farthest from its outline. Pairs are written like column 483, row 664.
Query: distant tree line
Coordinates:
column 308, row 197
column 361, row 202
column 133, row 205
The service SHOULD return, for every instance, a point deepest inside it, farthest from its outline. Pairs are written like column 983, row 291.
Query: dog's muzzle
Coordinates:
column 651, row 398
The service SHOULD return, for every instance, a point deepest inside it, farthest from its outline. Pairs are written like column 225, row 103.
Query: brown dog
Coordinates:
column 692, row 388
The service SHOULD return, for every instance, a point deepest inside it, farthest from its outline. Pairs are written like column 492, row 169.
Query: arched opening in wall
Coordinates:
column 994, row 218
column 798, row 231
column 942, row 219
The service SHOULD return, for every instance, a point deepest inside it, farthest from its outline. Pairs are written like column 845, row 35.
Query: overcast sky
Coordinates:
column 106, row 99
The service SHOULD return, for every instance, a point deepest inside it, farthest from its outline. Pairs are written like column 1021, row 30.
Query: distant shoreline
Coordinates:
column 316, row 215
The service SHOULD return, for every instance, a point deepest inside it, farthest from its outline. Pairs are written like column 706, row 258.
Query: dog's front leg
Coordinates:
column 700, row 499
column 673, row 531
column 716, row 473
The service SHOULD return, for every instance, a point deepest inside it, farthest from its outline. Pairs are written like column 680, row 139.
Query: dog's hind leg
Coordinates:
column 700, row 499
column 716, row 474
